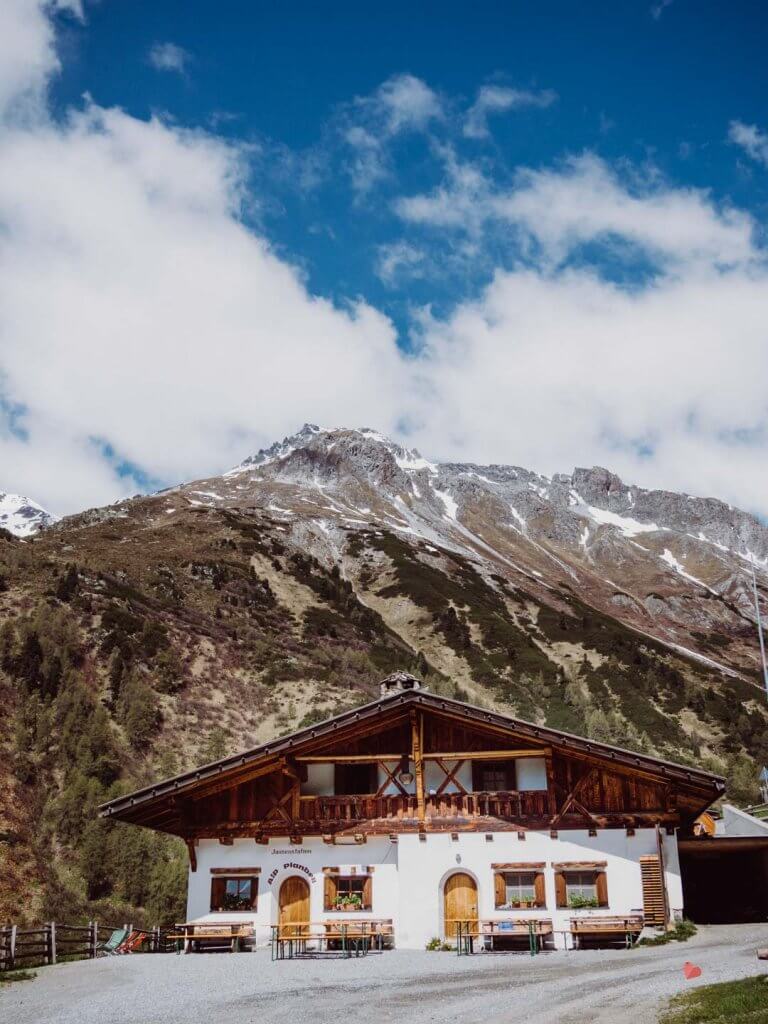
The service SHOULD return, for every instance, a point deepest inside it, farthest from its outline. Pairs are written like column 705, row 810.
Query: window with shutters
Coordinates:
column 519, row 889
column 348, row 893
column 236, row 893
column 581, row 889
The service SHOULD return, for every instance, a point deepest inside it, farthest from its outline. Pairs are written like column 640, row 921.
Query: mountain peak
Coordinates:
column 21, row 516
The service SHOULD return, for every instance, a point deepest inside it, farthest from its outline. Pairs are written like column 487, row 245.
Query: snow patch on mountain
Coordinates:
column 21, row 516
column 680, row 569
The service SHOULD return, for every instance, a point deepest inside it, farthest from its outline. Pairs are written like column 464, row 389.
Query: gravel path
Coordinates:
column 589, row 987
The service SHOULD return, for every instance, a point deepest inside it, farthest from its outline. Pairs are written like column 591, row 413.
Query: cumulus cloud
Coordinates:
column 403, row 103
column 571, row 369
column 751, row 139
column 138, row 312
column 585, row 201
column 28, row 53
column 168, row 57
column 143, row 323
column 497, row 99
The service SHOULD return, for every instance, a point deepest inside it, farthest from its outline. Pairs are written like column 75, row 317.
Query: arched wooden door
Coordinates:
column 459, row 901
column 293, row 902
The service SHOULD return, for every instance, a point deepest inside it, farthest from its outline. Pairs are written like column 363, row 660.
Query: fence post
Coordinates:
column 93, row 938
column 52, row 943
column 12, row 947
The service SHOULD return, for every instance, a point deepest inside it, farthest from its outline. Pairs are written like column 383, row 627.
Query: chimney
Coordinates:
column 398, row 682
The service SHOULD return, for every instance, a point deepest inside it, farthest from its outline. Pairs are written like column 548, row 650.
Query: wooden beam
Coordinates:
column 551, row 791
column 451, row 755
column 450, row 777
column 487, row 755
column 223, row 781
column 347, row 758
column 417, row 746
column 192, row 854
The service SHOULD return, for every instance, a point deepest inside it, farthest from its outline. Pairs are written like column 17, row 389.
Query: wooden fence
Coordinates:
column 52, row 942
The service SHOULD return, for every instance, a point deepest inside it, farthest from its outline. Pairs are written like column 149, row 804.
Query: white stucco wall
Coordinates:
column 409, row 875
column 531, row 773
column 736, row 822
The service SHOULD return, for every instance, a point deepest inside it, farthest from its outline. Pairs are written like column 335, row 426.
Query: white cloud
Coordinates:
column 585, row 201
column 27, row 52
column 556, row 371
column 169, row 57
column 409, row 104
column 403, row 103
column 399, row 259
column 751, row 139
column 138, row 310
column 497, row 99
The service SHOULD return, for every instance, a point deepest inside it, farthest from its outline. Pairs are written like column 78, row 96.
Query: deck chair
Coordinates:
column 132, row 942
column 110, row 947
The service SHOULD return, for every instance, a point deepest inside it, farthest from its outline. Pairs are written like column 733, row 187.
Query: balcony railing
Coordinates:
column 510, row 804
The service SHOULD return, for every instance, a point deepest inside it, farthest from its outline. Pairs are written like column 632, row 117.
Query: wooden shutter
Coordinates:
column 539, row 890
column 561, row 893
column 330, row 890
column 602, row 889
column 499, row 889
column 218, row 888
column 368, row 893
column 654, row 910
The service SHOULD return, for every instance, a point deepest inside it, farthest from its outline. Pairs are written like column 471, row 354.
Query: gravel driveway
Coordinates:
column 609, row 987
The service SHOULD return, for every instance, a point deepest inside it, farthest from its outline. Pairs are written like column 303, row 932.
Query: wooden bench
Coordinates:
column 603, row 927
column 532, row 930
column 193, row 933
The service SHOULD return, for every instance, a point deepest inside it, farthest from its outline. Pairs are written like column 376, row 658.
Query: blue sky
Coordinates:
column 532, row 234
column 634, row 81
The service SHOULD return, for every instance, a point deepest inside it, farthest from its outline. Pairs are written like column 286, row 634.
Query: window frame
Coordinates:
column 331, row 892
column 220, row 881
column 538, row 900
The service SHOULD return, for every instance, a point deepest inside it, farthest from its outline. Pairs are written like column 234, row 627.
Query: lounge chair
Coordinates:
column 132, row 942
column 110, row 947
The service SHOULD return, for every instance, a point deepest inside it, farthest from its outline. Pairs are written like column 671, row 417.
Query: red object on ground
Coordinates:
column 691, row 970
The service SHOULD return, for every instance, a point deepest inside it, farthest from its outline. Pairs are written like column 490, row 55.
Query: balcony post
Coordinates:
column 551, row 794
column 417, row 751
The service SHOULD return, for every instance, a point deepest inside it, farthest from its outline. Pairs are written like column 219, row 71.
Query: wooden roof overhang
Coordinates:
column 161, row 806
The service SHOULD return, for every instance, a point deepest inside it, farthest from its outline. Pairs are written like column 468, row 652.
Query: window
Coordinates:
column 493, row 776
column 234, row 893
column 348, row 893
column 581, row 888
column 355, row 779
column 581, row 885
column 519, row 889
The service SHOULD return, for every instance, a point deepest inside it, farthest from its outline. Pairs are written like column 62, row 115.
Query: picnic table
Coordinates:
column 335, row 937
column 191, row 934
column 628, row 928
column 532, row 929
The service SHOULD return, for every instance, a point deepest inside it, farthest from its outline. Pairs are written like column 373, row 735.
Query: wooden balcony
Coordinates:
column 326, row 813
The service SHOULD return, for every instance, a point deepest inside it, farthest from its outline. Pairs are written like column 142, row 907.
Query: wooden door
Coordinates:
column 294, row 905
column 459, row 901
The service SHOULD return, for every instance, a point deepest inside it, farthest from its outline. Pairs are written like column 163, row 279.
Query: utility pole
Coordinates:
column 760, row 628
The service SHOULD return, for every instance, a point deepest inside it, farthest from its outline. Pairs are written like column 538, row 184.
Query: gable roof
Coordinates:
column 292, row 744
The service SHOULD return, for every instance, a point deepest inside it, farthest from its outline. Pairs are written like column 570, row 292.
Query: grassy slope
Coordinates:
column 139, row 646
column 734, row 1002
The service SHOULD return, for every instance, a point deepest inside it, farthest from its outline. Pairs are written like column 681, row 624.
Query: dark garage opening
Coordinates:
column 725, row 881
